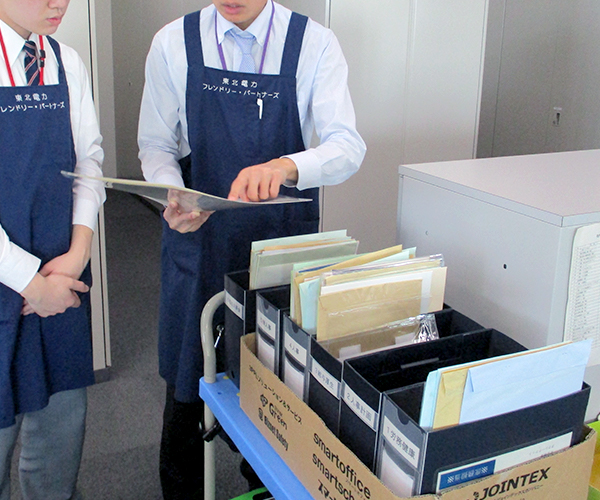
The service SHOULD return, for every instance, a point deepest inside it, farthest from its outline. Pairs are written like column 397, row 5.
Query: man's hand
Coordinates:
column 50, row 295
column 262, row 182
column 184, row 222
column 52, row 290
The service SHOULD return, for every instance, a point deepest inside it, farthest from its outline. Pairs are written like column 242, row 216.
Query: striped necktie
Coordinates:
column 245, row 41
column 32, row 70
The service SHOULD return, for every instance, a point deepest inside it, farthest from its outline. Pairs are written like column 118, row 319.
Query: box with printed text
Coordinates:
column 330, row 471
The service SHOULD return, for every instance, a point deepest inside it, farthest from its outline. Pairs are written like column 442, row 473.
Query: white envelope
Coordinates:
column 522, row 381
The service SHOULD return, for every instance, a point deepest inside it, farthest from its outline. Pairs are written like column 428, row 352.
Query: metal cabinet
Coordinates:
column 505, row 227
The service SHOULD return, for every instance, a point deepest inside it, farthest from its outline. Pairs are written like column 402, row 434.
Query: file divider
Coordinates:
column 271, row 305
column 367, row 378
column 295, row 357
column 325, row 374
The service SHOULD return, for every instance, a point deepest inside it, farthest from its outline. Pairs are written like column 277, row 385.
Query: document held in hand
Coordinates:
column 189, row 199
column 494, row 386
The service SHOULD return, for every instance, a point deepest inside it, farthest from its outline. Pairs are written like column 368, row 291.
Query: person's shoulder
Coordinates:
column 75, row 69
column 175, row 28
column 71, row 58
column 315, row 32
column 172, row 29
column 66, row 51
column 318, row 36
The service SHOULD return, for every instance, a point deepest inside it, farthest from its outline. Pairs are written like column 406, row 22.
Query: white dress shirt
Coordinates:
column 324, row 102
column 17, row 266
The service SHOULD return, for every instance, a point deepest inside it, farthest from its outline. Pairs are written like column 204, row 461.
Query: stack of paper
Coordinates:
column 490, row 387
column 362, row 298
column 306, row 281
column 366, row 292
column 271, row 261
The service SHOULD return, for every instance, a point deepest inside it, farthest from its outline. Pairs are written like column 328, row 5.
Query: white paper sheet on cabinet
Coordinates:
column 582, row 318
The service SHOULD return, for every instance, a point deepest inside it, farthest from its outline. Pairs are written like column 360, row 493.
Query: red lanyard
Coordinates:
column 42, row 58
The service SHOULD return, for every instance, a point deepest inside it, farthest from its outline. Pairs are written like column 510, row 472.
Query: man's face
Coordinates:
column 37, row 16
column 242, row 13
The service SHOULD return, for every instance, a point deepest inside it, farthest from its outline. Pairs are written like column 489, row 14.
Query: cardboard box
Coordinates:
column 366, row 378
column 271, row 304
column 594, row 492
column 412, row 460
column 325, row 372
column 329, row 470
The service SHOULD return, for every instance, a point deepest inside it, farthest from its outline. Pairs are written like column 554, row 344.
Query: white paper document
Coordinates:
column 527, row 380
column 189, row 199
column 493, row 386
column 582, row 318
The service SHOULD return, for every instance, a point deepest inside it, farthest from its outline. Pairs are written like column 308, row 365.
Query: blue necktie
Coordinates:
column 245, row 41
column 32, row 70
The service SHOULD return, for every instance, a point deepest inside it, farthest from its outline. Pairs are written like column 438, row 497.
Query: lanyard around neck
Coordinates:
column 42, row 58
column 264, row 53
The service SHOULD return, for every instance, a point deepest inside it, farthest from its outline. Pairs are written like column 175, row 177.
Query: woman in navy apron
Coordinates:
column 226, row 134
column 45, row 362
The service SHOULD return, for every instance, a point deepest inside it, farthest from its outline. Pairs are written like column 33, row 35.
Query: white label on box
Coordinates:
column 404, row 446
column 493, row 465
column 295, row 350
column 362, row 409
column 265, row 324
column 234, row 306
column 325, row 379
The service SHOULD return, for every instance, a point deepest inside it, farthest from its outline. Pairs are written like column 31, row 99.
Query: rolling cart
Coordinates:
column 221, row 402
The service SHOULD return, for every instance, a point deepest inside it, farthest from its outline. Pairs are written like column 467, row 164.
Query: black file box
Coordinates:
column 325, row 377
column 420, row 455
column 240, row 319
column 324, row 382
column 271, row 304
column 366, row 378
column 295, row 357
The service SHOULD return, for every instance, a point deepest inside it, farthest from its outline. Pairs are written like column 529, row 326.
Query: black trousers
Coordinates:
column 182, row 450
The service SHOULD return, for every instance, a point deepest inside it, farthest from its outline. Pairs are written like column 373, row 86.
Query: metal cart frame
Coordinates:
column 222, row 394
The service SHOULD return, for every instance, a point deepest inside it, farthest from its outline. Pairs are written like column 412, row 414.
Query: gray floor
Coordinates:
column 120, row 459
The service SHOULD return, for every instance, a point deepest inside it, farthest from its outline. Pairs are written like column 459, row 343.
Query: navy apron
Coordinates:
column 226, row 133
column 39, row 356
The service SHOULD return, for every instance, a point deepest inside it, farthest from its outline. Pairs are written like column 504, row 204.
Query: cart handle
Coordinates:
column 208, row 339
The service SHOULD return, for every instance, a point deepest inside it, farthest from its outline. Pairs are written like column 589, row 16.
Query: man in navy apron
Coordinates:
column 233, row 119
column 46, row 229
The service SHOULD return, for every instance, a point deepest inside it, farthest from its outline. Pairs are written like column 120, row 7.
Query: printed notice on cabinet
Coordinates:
column 582, row 319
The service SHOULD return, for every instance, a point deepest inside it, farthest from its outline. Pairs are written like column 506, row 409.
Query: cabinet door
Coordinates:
column 415, row 77
column 524, row 100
